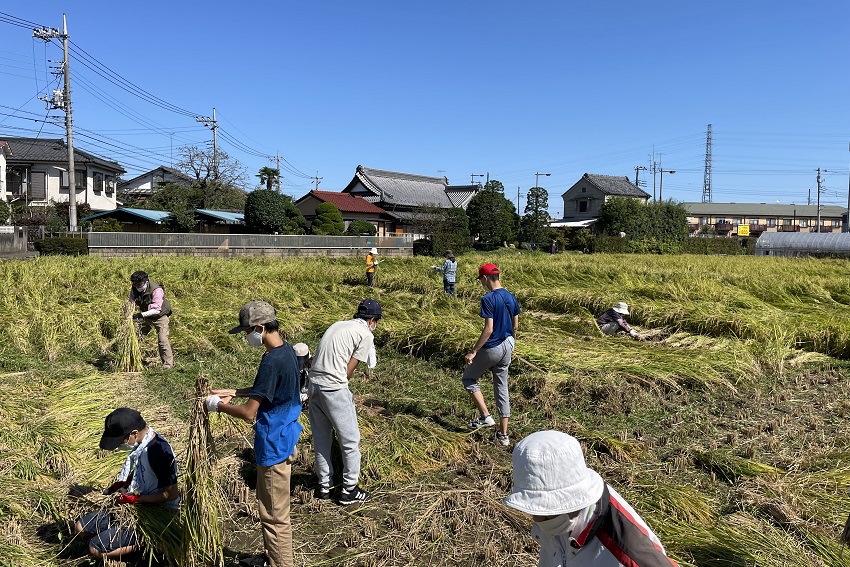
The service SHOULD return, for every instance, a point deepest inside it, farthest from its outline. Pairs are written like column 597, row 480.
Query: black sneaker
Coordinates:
column 254, row 561
column 354, row 496
column 322, row 493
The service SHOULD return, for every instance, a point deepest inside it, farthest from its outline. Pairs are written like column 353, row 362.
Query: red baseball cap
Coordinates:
column 487, row 269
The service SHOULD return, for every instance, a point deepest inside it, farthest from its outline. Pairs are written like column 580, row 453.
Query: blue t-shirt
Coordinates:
column 277, row 384
column 500, row 305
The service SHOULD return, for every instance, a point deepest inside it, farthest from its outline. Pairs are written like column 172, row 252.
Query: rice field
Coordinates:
column 726, row 427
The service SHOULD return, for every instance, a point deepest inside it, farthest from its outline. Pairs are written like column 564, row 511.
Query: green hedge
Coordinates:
column 62, row 245
column 731, row 246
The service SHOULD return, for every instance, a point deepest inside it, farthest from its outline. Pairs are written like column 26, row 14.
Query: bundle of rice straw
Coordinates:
column 202, row 497
column 129, row 355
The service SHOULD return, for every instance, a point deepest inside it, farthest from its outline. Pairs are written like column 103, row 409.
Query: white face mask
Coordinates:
column 127, row 446
column 254, row 338
column 141, row 288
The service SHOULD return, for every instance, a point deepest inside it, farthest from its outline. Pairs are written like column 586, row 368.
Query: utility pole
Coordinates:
column 317, row 179
column 637, row 169
column 517, row 199
column 847, row 223
column 473, row 176
column 706, row 178
column 47, row 34
column 818, row 226
column 212, row 124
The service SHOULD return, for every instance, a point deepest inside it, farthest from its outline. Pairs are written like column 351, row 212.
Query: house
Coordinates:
column 350, row 206
column 148, row 220
column 144, row 185
column 583, row 200
column 405, row 195
column 36, row 172
column 753, row 219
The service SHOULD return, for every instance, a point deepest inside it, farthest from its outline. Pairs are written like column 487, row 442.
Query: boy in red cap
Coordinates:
column 492, row 351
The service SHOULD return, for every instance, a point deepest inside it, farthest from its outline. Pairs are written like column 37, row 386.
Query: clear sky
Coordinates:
column 457, row 88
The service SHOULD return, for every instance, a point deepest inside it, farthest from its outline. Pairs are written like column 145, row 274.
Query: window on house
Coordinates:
column 739, row 220
column 98, row 182
column 584, row 189
column 771, row 222
column 582, row 206
column 754, row 222
column 788, row 222
column 16, row 181
column 110, row 184
column 804, row 223
column 836, row 224
column 38, row 186
column 79, row 179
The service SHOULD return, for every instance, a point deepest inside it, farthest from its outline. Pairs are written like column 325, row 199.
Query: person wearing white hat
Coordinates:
column 578, row 519
column 371, row 265
column 613, row 321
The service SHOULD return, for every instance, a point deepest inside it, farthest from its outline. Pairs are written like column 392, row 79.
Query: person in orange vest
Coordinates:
column 371, row 265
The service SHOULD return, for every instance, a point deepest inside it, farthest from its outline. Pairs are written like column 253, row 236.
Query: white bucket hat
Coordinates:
column 301, row 349
column 373, row 251
column 550, row 476
column 622, row 308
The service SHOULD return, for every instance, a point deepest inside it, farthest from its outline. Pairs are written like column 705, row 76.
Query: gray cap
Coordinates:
column 253, row 314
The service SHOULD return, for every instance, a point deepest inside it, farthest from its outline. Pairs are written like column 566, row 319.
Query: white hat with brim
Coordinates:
column 622, row 308
column 373, row 251
column 550, row 476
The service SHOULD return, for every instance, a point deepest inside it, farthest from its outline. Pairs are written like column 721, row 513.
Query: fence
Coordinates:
column 129, row 244
column 13, row 239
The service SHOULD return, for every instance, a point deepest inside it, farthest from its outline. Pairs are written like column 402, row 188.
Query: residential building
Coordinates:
column 352, row 207
column 134, row 220
column 583, row 200
column 145, row 185
column 727, row 219
column 404, row 195
column 36, row 171
column 5, row 152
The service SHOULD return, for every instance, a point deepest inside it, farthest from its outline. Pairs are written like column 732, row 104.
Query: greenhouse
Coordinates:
column 820, row 245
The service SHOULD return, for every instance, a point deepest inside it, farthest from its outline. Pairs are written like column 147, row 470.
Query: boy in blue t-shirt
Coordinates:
column 274, row 401
column 500, row 311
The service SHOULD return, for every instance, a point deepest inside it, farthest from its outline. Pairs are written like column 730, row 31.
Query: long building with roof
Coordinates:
column 753, row 219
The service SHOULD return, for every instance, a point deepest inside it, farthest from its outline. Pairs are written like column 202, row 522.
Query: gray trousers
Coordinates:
column 611, row 328
column 333, row 410
column 497, row 360
column 163, row 344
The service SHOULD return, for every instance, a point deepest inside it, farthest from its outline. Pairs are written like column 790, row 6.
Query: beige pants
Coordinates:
column 273, row 499
column 164, row 345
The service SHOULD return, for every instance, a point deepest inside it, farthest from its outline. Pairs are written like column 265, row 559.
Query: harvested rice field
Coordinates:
column 727, row 427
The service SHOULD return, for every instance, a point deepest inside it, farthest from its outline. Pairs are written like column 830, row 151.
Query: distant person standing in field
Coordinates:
column 148, row 477
column 274, row 402
column 613, row 321
column 343, row 346
column 578, row 519
column 149, row 296
column 449, row 269
column 553, row 248
column 371, row 266
column 492, row 351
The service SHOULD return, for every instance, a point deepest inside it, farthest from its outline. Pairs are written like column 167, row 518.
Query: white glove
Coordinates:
column 372, row 360
column 211, row 403
column 633, row 333
column 434, row 268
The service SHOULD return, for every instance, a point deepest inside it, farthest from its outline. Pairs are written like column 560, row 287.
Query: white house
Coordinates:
column 36, row 171
column 145, row 185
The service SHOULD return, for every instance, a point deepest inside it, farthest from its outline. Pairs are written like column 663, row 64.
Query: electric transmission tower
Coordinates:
column 706, row 179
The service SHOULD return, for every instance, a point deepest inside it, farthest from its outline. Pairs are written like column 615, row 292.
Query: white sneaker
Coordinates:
column 503, row 439
column 482, row 421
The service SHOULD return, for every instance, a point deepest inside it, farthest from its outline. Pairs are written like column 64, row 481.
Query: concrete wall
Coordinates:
column 129, row 252
column 13, row 240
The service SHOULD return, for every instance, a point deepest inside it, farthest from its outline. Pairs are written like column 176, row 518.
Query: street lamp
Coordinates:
column 661, row 182
column 537, row 178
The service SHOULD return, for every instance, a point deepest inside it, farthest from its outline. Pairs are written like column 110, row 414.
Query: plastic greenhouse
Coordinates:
column 819, row 245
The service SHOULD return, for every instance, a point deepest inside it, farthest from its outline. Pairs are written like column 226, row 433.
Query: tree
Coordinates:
column 445, row 229
column 269, row 212
column 358, row 227
column 182, row 200
column 270, row 177
column 328, row 220
column 534, row 226
column 205, row 167
column 5, row 212
column 491, row 216
column 663, row 222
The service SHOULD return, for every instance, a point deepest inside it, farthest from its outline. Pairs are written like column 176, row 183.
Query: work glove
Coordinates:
column 137, row 316
column 118, row 485
column 633, row 333
column 211, row 402
column 125, row 498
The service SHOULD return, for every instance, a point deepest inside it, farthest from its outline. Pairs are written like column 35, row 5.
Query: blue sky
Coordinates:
column 460, row 87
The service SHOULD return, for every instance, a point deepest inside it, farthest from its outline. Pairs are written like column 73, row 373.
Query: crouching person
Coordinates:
column 148, row 477
column 578, row 519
